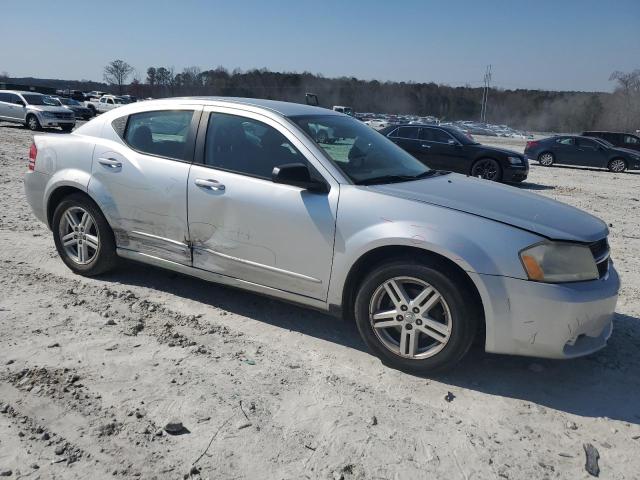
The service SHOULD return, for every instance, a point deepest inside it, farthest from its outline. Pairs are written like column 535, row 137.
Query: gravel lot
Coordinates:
column 93, row 369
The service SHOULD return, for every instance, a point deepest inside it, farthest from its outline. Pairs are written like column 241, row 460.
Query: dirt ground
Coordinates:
column 93, row 369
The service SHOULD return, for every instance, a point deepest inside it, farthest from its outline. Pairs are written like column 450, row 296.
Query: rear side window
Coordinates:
column 247, row 146
column 565, row 141
column 410, row 133
column 588, row 144
column 628, row 139
column 163, row 133
column 4, row 97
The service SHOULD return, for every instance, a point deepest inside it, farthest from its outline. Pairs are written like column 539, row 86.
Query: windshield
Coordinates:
column 363, row 154
column 35, row 99
column 604, row 142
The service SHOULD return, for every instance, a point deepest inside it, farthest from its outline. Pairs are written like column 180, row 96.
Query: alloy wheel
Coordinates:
column 487, row 169
column 617, row 165
column 33, row 123
column 79, row 235
column 410, row 317
column 546, row 159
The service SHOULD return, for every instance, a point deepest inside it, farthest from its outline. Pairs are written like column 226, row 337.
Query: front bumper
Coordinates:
column 515, row 175
column 55, row 122
column 548, row 320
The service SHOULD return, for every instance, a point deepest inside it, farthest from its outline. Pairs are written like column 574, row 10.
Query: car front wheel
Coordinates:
column 416, row 317
column 83, row 238
column 546, row 159
column 32, row 123
column 617, row 165
column 488, row 169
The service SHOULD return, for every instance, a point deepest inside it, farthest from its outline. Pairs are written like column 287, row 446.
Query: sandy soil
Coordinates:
column 92, row 370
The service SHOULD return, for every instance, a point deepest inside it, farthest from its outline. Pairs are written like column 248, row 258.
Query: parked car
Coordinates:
column 446, row 148
column 377, row 123
column 617, row 139
column 78, row 109
column 237, row 191
column 341, row 109
column 74, row 94
column 582, row 151
column 95, row 94
column 104, row 103
column 34, row 110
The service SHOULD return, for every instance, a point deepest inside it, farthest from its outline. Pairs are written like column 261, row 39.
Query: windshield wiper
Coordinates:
column 396, row 178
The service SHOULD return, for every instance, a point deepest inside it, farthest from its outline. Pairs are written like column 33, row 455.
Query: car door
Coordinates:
column 407, row 139
column 13, row 110
column 4, row 105
column 245, row 226
column 565, row 151
column 444, row 151
column 139, row 176
column 590, row 153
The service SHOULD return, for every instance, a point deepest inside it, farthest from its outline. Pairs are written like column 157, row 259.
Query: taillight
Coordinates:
column 531, row 144
column 33, row 153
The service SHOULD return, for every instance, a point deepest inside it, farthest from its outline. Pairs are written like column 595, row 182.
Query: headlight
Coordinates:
column 515, row 160
column 559, row 262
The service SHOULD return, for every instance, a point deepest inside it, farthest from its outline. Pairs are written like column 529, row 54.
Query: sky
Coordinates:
column 554, row 45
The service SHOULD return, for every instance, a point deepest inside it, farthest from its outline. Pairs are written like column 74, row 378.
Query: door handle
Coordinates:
column 210, row 184
column 425, row 146
column 109, row 162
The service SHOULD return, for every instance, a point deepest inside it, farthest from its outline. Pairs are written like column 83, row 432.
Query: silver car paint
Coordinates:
column 522, row 317
column 18, row 113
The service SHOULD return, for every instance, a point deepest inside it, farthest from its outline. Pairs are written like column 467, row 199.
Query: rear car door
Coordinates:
column 591, row 153
column 139, row 176
column 245, row 226
column 407, row 138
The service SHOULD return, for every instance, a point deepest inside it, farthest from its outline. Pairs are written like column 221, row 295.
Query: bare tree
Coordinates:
column 117, row 72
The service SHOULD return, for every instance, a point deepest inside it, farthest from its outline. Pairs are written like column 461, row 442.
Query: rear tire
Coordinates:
column 437, row 307
column 33, row 123
column 546, row 159
column 83, row 238
column 617, row 165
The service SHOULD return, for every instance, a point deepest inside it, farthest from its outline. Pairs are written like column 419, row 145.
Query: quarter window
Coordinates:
column 247, row 146
column 565, row 141
column 631, row 140
column 162, row 133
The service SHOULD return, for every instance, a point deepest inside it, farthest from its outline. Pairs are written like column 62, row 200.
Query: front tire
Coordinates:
column 67, row 128
column 33, row 123
column 416, row 317
column 83, row 238
column 617, row 165
column 488, row 169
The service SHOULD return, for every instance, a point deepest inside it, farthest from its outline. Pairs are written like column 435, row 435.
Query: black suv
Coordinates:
column 617, row 139
column 447, row 148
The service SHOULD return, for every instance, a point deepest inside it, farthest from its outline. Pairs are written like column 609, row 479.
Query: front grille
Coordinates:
column 600, row 252
column 64, row 116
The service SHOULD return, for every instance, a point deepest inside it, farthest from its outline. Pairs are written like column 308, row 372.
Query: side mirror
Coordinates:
column 298, row 175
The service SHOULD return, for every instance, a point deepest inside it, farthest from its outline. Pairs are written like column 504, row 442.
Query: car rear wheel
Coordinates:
column 83, row 238
column 617, row 165
column 546, row 159
column 416, row 317
column 488, row 169
column 33, row 123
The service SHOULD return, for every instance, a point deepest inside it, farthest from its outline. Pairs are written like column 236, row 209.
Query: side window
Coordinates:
column 410, row 133
column 628, row 139
column 566, row 141
column 247, row 146
column 587, row 144
column 4, row 97
column 110, row 101
column 164, row 133
column 434, row 135
column 103, row 100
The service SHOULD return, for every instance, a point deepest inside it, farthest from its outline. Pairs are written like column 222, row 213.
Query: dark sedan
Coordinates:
column 582, row 151
column 79, row 110
column 447, row 148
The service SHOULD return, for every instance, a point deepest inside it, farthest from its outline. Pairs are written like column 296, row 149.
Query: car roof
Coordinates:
column 22, row 92
column 286, row 109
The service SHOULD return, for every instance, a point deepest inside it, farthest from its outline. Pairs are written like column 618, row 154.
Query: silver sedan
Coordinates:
column 246, row 193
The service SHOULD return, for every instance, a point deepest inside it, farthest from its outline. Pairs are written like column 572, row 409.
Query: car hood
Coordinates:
column 502, row 203
column 49, row 108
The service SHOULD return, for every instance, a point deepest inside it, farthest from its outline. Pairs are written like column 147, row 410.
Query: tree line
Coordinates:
column 531, row 110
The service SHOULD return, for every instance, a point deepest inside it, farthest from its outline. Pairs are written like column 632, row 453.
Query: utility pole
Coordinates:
column 485, row 93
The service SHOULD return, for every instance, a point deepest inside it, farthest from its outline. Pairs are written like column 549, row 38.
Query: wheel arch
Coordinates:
column 371, row 259
column 485, row 156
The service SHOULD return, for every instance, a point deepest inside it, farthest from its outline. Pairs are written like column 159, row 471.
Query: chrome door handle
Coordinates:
column 210, row 184
column 425, row 146
column 109, row 162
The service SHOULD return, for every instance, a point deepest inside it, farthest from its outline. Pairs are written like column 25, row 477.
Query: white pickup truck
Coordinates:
column 104, row 103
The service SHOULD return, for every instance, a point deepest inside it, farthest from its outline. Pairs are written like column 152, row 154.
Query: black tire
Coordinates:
column 104, row 258
column 464, row 314
column 32, row 123
column 617, row 165
column 67, row 127
column 546, row 159
column 487, row 168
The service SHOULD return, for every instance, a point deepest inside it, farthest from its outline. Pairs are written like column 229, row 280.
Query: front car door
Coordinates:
column 407, row 139
column 243, row 225
column 591, row 153
column 445, row 151
column 139, row 174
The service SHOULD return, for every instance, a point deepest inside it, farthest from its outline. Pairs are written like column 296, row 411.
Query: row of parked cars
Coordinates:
column 36, row 110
